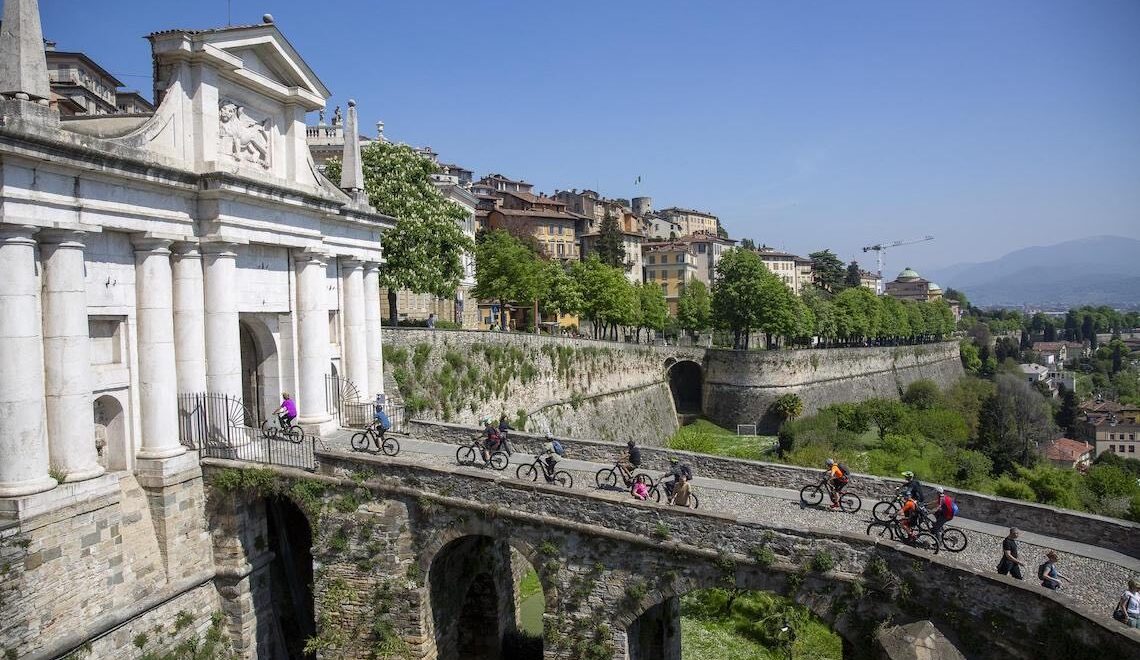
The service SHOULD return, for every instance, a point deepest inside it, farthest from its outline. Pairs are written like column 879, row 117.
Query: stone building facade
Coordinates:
column 195, row 249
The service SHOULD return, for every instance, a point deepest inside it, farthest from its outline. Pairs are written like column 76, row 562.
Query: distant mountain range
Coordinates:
column 1101, row 270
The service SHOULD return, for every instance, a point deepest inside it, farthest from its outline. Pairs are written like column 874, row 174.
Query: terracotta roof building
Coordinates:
column 1069, row 453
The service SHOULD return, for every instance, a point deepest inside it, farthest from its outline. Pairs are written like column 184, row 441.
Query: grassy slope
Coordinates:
column 707, row 438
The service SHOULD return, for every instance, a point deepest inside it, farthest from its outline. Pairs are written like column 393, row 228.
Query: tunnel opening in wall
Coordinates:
column 260, row 377
column 686, row 384
column 290, row 539
column 487, row 602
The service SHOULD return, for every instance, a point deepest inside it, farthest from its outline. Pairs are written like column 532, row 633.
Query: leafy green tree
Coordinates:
column 885, row 414
column 653, row 312
column 776, row 316
column 747, row 244
column 561, row 294
column 738, row 294
column 1066, row 415
column 506, row 271
column 853, row 278
column 827, row 270
column 1012, row 424
column 823, row 314
column 895, row 323
column 922, row 394
column 694, row 307
column 608, row 298
column 968, row 353
column 787, row 407
column 610, row 246
column 423, row 253
column 955, row 294
column 857, row 313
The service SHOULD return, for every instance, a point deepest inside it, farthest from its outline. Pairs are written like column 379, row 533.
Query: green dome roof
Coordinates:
column 933, row 287
column 907, row 274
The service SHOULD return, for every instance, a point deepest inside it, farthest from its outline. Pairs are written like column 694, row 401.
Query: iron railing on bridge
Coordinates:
column 353, row 411
column 220, row 426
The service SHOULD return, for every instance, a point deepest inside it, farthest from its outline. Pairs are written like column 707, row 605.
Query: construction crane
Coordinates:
column 880, row 248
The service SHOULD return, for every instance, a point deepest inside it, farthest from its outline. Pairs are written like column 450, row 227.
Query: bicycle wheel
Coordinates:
column 694, row 503
column 269, row 430
column 563, row 478
column 527, row 472
column 295, row 434
column 499, row 460
column 360, row 441
column 390, row 446
column 655, row 494
column 606, row 478
column 884, row 510
column 926, row 541
column 811, row 495
column 954, row 539
column 850, row 502
column 881, row 530
column 466, row 455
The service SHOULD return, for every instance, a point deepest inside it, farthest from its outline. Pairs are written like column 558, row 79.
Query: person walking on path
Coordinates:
column 1128, row 609
column 1048, row 573
column 1010, row 564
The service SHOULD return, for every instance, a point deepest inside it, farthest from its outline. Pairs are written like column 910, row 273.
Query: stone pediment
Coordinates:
column 257, row 57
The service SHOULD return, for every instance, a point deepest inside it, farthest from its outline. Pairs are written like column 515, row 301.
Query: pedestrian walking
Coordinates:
column 1048, row 574
column 1128, row 609
column 1010, row 564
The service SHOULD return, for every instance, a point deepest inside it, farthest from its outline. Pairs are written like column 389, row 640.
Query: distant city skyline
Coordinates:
column 992, row 126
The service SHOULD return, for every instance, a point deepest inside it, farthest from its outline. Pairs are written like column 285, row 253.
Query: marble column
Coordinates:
column 189, row 318
column 158, row 379
column 23, row 444
column 67, row 356
column 312, row 339
column 223, row 337
column 355, row 328
column 372, row 332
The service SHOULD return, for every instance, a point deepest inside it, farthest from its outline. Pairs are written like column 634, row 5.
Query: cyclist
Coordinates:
column 383, row 423
column 491, row 442
column 631, row 459
column 911, row 486
column 908, row 516
column 549, row 457
column 678, row 471
column 836, row 478
column 944, row 513
column 504, row 425
column 287, row 412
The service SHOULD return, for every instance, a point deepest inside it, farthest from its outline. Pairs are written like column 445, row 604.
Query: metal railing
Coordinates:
column 353, row 411
column 218, row 426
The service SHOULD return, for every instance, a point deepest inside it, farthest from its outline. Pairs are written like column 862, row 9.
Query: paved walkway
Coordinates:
column 1099, row 575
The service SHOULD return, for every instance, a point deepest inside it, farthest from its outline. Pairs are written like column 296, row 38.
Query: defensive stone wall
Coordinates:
column 118, row 566
column 1119, row 535
column 741, row 386
column 566, row 386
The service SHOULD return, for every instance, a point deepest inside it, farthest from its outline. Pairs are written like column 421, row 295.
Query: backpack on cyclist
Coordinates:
column 558, row 449
column 954, row 507
column 844, row 470
column 1041, row 571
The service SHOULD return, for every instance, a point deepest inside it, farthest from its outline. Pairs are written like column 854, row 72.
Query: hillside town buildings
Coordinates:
column 671, row 265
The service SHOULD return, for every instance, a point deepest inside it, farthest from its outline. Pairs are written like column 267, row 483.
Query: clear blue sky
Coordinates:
column 803, row 124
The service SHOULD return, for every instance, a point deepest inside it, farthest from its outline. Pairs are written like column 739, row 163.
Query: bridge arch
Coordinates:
column 686, row 384
column 477, row 610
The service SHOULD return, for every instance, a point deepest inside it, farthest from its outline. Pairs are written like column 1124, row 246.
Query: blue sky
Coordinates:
column 806, row 124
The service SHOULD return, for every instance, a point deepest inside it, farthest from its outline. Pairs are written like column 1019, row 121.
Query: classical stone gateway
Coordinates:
column 418, row 561
column 144, row 256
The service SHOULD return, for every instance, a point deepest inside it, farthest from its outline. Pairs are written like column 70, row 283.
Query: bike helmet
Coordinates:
column 908, row 474
column 830, row 462
column 630, row 443
column 940, row 490
column 548, row 437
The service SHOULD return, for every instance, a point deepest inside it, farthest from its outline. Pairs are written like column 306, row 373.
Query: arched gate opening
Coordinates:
column 686, row 383
column 290, row 539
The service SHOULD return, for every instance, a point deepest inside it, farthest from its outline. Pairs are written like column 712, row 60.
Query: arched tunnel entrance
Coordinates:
column 482, row 602
column 686, row 383
column 291, row 574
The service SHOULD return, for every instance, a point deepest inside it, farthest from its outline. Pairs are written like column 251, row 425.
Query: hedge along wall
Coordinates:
column 1119, row 535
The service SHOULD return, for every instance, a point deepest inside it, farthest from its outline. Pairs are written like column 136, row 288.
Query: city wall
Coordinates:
column 741, row 386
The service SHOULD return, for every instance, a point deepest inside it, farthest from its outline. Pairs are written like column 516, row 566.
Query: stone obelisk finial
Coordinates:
column 23, row 66
column 351, row 171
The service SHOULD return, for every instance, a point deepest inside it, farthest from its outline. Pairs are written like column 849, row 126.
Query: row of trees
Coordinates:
column 508, row 270
column 747, row 297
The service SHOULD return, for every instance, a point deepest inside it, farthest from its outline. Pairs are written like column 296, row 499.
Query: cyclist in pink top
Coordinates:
column 288, row 410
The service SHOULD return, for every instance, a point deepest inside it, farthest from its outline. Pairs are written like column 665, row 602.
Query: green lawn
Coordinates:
column 752, row 629
column 532, row 603
column 704, row 437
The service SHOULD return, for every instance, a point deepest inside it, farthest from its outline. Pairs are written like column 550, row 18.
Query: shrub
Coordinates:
column 1007, row 487
column 922, row 394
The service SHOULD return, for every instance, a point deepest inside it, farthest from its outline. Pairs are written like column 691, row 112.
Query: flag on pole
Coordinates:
column 638, row 180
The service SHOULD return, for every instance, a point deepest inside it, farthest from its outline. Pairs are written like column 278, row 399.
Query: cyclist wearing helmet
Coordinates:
column 678, row 471
column 911, row 487
column 631, row 459
column 549, row 457
column 837, row 478
column 491, row 441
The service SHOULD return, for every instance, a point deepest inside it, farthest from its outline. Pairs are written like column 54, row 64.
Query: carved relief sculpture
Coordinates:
column 241, row 136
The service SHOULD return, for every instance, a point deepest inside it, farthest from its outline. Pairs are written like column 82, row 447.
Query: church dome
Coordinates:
column 932, row 287
column 907, row 275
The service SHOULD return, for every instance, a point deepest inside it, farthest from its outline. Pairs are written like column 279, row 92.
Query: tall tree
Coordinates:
column 560, row 293
column 694, row 307
column 506, row 271
column 827, row 270
column 1066, row 416
column 747, row 244
column 608, row 298
column 854, row 276
column 652, row 310
column 1012, row 424
column 738, row 294
column 610, row 246
column 424, row 252
column 823, row 315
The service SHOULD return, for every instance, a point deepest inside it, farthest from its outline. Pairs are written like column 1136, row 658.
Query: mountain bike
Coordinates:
column 609, row 477
column 473, row 453
column 272, row 429
column 952, row 539
column 812, row 495
column 373, row 436
column 530, row 472
column 893, row 530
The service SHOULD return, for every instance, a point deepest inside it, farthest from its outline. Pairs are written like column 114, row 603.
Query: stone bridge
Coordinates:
column 423, row 561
